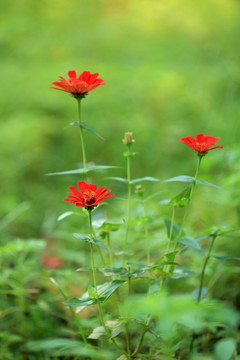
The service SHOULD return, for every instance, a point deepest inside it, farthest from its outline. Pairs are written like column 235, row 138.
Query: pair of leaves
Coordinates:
column 83, row 171
column 116, row 327
column 86, row 127
column 87, row 239
column 192, row 180
column 104, row 291
column 134, row 181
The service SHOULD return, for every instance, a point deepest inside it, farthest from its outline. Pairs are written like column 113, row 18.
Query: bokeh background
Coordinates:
column 171, row 70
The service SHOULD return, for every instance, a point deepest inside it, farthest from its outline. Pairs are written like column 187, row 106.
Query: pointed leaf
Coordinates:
column 88, row 128
column 181, row 199
column 97, row 242
column 104, row 291
column 97, row 333
column 190, row 179
column 188, row 241
column 176, row 228
column 75, row 123
column 225, row 257
column 130, row 153
column 146, row 178
column 82, row 237
column 82, row 170
column 110, row 226
column 118, row 179
column 69, row 213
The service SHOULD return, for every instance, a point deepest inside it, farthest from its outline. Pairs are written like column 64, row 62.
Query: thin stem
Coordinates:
column 91, row 247
column 77, row 321
column 204, row 267
column 110, row 249
column 170, row 236
column 171, row 228
column 81, row 136
column 190, row 197
column 142, row 337
column 146, row 235
column 128, row 206
column 195, row 177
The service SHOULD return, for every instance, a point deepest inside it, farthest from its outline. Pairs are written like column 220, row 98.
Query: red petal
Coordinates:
column 72, row 74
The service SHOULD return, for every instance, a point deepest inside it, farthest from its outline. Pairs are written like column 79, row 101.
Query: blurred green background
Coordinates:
column 171, row 69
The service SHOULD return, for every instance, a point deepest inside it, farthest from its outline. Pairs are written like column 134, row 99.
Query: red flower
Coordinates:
column 202, row 144
column 78, row 86
column 87, row 195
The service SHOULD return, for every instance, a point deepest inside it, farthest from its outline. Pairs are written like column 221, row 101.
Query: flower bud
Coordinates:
column 139, row 190
column 128, row 138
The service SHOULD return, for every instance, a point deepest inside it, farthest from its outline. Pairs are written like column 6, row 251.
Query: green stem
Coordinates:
column 110, row 249
column 195, row 177
column 77, row 321
column 128, row 207
column 142, row 337
column 190, row 197
column 204, row 267
column 91, row 247
column 171, row 228
column 170, row 236
column 146, row 235
column 81, row 136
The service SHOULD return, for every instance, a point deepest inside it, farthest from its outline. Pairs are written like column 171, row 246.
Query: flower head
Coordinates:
column 202, row 144
column 78, row 86
column 128, row 138
column 87, row 195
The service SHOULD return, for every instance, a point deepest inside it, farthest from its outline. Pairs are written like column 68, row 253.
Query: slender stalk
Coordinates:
column 195, row 177
column 77, row 321
column 190, row 197
column 146, row 235
column 110, row 249
column 204, row 267
column 81, row 136
column 91, row 248
column 139, row 344
column 128, row 206
column 170, row 236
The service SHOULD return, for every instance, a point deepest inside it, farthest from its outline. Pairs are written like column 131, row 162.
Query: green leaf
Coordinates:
column 97, row 242
column 82, row 237
column 152, row 195
column 104, row 291
column 166, row 259
column 190, row 179
column 130, row 153
column 224, row 349
column 225, row 257
column 75, row 123
column 118, row 179
column 110, row 226
column 69, row 213
column 189, row 242
column 181, row 199
column 146, row 178
column 83, row 171
column 88, row 128
column 176, row 228
column 97, row 333
column 179, row 273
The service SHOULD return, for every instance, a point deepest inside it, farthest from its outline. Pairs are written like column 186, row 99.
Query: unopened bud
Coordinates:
column 139, row 190
column 128, row 138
